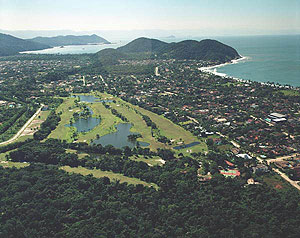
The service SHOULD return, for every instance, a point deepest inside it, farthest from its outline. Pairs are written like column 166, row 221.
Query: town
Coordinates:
column 244, row 124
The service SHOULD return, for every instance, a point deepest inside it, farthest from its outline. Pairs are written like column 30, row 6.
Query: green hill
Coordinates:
column 10, row 45
column 143, row 45
column 207, row 50
column 70, row 40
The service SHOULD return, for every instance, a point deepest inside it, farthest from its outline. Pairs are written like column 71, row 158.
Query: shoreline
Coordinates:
column 213, row 70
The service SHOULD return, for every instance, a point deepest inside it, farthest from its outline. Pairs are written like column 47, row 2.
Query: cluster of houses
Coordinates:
column 9, row 104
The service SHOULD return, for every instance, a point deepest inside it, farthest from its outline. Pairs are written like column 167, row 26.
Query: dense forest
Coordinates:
column 42, row 201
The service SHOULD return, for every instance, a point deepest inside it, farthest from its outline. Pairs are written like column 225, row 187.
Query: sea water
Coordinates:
column 268, row 59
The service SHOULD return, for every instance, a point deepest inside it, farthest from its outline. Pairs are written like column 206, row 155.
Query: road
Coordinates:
column 103, row 80
column 156, row 71
column 282, row 158
column 16, row 136
column 293, row 183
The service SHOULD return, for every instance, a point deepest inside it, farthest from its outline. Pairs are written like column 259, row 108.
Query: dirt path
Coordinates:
column 16, row 136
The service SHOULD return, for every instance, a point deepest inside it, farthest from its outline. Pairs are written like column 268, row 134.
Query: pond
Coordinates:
column 85, row 124
column 179, row 147
column 119, row 138
column 90, row 98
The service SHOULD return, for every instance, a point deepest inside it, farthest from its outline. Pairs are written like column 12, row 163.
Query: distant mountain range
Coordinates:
column 207, row 50
column 70, row 40
column 10, row 45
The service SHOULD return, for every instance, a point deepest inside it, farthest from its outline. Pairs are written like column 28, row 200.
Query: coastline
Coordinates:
column 213, row 70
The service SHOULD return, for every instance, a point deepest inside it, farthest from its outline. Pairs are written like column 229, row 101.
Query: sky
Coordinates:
column 211, row 17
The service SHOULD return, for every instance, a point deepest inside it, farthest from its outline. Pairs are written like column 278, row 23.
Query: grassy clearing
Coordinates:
column 80, row 155
column 8, row 164
column 186, row 122
column 290, row 92
column 151, row 161
column 112, row 176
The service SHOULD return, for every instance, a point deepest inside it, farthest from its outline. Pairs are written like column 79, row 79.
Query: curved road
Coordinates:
column 16, row 136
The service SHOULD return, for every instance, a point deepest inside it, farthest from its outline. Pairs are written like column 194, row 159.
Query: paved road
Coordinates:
column 103, row 80
column 16, row 136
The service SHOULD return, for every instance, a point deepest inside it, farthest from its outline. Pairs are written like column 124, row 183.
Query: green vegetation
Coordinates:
column 290, row 92
column 165, row 126
column 69, row 40
column 129, row 69
column 10, row 127
column 66, row 109
column 46, row 200
column 274, row 181
column 208, row 50
column 112, row 176
column 10, row 45
column 9, row 164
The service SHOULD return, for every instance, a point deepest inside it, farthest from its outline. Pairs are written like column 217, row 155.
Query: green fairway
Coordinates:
column 133, row 113
column 112, row 176
column 67, row 108
column 139, row 125
column 166, row 127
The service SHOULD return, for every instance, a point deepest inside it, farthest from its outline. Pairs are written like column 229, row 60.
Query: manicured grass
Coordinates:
column 112, row 176
column 108, row 122
column 107, row 125
column 139, row 125
column 290, row 92
column 43, row 115
column 62, row 132
column 154, row 160
column 166, row 127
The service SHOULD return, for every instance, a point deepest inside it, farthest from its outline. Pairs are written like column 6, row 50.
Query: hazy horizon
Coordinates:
column 154, row 18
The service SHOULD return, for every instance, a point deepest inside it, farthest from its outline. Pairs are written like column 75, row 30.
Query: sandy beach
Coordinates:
column 213, row 69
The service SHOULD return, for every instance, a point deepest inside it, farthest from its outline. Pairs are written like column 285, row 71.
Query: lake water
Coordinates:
column 85, row 124
column 179, row 147
column 119, row 138
column 86, row 98
column 90, row 99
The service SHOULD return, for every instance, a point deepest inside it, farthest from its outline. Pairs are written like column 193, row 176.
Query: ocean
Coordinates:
column 268, row 59
column 273, row 59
